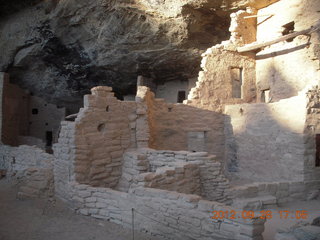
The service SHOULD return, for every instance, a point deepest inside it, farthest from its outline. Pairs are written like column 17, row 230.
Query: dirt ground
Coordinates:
column 312, row 209
column 38, row 219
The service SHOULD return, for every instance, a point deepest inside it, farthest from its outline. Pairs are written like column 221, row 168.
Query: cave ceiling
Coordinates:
column 59, row 49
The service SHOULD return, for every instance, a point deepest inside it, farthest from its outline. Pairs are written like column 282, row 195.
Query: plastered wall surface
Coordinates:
column 15, row 105
column 287, row 67
column 27, row 119
column 169, row 90
column 47, row 119
column 171, row 124
column 265, row 142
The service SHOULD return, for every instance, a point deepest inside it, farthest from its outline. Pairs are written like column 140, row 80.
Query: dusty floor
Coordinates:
column 38, row 220
column 312, row 209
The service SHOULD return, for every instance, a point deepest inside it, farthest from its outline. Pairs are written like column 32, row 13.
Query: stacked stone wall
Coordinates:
column 181, row 171
column 183, row 178
column 172, row 124
column 30, row 168
column 312, row 128
column 64, row 164
column 168, row 214
column 282, row 191
column 104, row 129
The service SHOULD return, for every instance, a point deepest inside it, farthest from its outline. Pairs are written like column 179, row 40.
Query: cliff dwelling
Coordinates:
column 172, row 119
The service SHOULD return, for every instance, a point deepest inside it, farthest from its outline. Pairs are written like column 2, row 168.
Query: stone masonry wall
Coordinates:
column 312, row 127
column 222, row 64
column 163, row 213
column 30, row 168
column 172, row 125
column 214, row 86
column 64, row 152
column 104, row 129
column 281, row 191
column 181, row 176
column 265, row 142
column 181, row 171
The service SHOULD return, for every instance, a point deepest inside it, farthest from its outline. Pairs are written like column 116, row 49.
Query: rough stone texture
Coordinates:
column 265, row 142
column 182, row 216
column 213, row 183
column 281, row 192
column 312, row 127
column 300, row 231
column 75, row 45
column 181, row 177
column 172, row 124
column 222, row 66
column 30, row 167
column 181, row 171
column 64, row 154
column 288, row 67
column 102, row 133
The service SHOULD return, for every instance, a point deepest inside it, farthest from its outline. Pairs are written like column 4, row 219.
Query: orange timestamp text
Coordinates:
column 264, row 214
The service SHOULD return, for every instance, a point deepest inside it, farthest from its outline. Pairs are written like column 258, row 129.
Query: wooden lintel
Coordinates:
column 256, row 16
column 255, row 45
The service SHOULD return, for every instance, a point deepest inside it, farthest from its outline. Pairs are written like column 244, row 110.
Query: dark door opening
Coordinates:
column 181, row 96
column 236, row 78
column 49, row 138
column 317, row 162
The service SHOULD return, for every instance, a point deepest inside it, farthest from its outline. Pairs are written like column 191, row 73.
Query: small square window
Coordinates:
column 34, row 111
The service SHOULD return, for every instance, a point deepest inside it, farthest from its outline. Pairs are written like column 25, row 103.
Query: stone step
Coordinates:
column 256, row 203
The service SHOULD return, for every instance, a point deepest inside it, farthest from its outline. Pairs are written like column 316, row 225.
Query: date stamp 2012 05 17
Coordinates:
column 264, row 214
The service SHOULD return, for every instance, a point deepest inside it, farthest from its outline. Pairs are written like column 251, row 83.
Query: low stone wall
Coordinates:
column 134, row 163
column 181, row 171
column 30, row 167
column 164, row 213
column 17, row 159
column 212, row 179
column 282, row 191
column 182, row 177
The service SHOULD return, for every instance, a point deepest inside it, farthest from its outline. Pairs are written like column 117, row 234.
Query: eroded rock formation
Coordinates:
column 60, row 49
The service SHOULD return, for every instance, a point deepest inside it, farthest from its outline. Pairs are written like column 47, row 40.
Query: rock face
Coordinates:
column 60, row 49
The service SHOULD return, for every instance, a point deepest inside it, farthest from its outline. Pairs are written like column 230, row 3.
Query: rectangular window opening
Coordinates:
column 236, row 78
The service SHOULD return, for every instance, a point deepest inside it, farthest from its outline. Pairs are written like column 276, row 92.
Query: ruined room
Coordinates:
column 143, row 119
